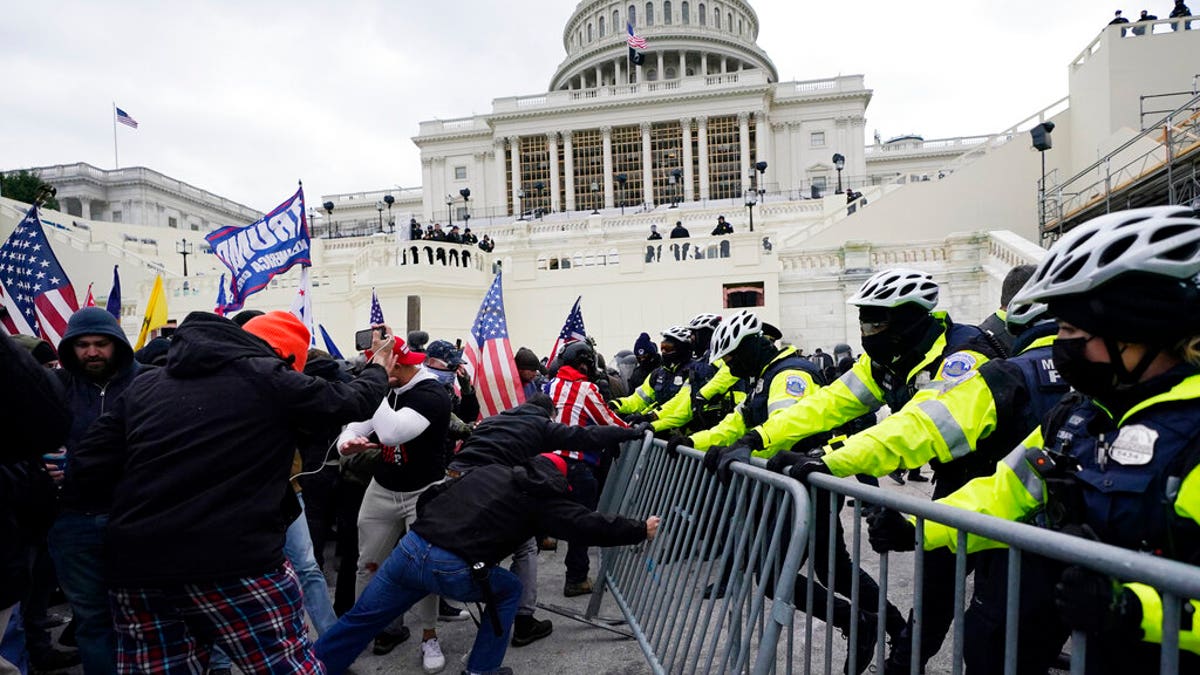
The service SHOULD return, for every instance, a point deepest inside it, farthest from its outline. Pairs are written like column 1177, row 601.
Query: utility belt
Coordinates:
column 481, row 574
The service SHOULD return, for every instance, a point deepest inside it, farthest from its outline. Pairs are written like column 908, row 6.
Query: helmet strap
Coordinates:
column 1124, row 375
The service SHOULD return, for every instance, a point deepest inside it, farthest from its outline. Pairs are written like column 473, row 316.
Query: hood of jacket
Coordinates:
column 326, row 368
column 206, row 343
column 94, row 321
column 539, row 477
column 528, row 410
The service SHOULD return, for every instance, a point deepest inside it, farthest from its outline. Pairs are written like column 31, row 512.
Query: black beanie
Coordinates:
column 1135, row 307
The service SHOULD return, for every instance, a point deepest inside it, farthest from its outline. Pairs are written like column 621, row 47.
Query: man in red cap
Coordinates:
column 409, row 427
column 195, row 458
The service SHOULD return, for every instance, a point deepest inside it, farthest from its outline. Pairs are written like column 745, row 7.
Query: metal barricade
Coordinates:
column 698, row 598
column 1175, row 581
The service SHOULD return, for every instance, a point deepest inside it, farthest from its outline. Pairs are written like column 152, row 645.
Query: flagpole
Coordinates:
column 116, row 157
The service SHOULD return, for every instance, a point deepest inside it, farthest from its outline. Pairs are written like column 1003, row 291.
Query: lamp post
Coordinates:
column 379, row 208
column 312, row 222
column 751, row 200
column 184, row 248
column 521, row 203
column 675, row 180
column 541, row 188
column 595, row 198
column 621, row 178
column 450, row 209
column 1040, row 136
column 389, row 200
column 761, row 168
column 328, row 206
column 839, row 163
column 466, row 195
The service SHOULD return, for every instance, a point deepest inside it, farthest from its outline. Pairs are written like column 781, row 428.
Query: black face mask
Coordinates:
column 679, row 356
column 749, row 359
column 892, row 345
column 1090, row 378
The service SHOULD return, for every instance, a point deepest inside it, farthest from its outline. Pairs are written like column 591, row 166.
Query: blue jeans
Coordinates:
column 298, row 549
column 77, row 547
column 585, row 491
column 414, row 570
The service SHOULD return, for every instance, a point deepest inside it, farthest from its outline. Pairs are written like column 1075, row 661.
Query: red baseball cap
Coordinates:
column 405, row 355
column 557, row 460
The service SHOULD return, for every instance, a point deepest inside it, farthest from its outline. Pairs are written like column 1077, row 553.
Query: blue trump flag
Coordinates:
column 114, row 296
column 255, row 253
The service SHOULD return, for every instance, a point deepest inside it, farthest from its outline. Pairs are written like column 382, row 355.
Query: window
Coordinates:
column 460, row 173
column 741, row 27
column 687, row 17
column 729, row 21
column 116, row 216
column 649, row 13
column 616, row 24
column 633, row 15
column 651, row 75
column 717, row 19
column 173, row 222
column 747, row 294
column 816, row 139
column 195, row 227
column 667, row 12
column 819, row 185
column 601, row 26
column 670, row 73
column 703, row 16
column 589, row 32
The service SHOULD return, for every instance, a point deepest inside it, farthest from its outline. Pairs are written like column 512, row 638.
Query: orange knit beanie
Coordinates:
column 286, row 334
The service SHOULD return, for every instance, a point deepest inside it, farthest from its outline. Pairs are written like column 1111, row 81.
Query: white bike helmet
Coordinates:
column 1160, row 241
column 1021, row 315
column 710, row 321
column 895, row 287
column 680, row 333
column 733, row 332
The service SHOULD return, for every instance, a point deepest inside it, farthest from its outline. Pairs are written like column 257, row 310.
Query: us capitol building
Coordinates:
column 569, row 181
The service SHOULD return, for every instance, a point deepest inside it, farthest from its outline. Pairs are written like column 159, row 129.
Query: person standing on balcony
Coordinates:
column 723, row 228
column 1180, row 11
column 680, row 232
column 1118, row 19
column 1146, row 16
column 486, row 244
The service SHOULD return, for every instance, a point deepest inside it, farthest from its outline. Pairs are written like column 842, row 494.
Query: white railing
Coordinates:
column 1133, row 30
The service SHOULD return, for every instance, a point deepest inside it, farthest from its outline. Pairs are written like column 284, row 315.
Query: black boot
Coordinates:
column 868, row 627
column 899, row 660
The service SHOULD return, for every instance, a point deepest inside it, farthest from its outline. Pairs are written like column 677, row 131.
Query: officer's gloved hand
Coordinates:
column 613, row 405
column 637, row 418
column 887, row 530
column 797, row 465
column 641, row 428
column 720, row 459
column 676, row 441
column 1095, row 603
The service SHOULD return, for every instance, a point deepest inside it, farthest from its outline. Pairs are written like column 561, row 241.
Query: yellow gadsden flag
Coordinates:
column 156, row 312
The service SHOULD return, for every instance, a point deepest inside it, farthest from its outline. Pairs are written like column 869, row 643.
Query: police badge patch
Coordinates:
column 1134, row 445
column 958, row 366
column 796, row 385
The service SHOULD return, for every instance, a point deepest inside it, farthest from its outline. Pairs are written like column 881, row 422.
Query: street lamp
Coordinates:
column 521, row 203
column 449, row 208
column 676, row 180
column 761, row 168
column 595, row 198
column 839, row 163
column 621, row 178
column 379, row 208
column 1040, row 136
column 328, row 206
column 466, row 195
column 389, row 200
column 184, row 248
column 541, row 188
column 751, row 200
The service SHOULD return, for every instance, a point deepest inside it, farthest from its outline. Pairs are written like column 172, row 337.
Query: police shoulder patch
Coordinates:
column 796, row 386
column 958, row 366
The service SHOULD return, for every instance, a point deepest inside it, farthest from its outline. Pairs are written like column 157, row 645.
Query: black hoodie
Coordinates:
column 195, row 456
column 486, row 514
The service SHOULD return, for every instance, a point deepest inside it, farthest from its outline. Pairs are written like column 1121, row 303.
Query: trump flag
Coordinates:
column 257, row 252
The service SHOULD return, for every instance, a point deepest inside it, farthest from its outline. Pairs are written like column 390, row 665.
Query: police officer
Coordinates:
column 1117, row 461
column 912, row 352
column 665, row 381
column 710, row 394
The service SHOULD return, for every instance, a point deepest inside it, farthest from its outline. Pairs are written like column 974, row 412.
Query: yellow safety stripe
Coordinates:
column 859, row 388
column 1025, row 473
column 781, row 404
column 951, row 431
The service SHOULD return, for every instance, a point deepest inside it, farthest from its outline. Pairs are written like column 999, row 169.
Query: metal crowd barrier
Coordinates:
column 1175, row 581
column 698, row 597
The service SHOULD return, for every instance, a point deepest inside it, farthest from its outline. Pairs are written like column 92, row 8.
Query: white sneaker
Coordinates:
column 432, row 659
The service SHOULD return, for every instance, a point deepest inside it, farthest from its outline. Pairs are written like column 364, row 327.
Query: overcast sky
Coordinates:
column 244, row 97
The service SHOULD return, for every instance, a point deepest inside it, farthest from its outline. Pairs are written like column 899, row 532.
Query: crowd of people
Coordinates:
column 453, row 235
column 1179, row 11
column 184, row 497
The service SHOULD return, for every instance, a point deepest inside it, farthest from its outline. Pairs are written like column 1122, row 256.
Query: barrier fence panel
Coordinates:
column 1026, row 546
column 714, row 591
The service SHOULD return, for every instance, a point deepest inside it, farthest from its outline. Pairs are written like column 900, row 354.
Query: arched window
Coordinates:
column 703, row 15
column 651, row 74
column 616, row 20
column 687, row 17
column 589, row 32
column 729, row 21
column 741, row 27
column 633, row 15
column 649, row 13
column 717, row 18
column 667, row 12
column 670, row 73
column 601, row 26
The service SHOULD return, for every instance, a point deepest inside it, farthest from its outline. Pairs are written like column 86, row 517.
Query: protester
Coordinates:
column 469, row 237
column 486, row 244
column 648, row 360
column 466, row 527
column 194, row 458
column 531, row 371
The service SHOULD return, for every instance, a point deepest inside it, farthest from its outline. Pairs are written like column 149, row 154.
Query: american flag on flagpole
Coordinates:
column 124, row 118
column 572, row 331
column 634, row 40
column 89, row 300
column 33, row 286
column 302, row 305
column 491, row 357
column 376, row 310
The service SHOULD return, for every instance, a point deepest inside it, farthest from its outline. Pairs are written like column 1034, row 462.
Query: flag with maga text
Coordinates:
column 255, row 253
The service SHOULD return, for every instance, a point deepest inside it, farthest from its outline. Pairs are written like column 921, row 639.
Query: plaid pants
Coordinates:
column 257, row 621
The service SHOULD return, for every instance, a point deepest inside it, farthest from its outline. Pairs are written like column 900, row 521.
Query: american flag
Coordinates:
column 572, row 331
column 33, row 286
column 634, row 40
column 124, row 118
column 376, row 310
column 302, row 305
column 491, row 357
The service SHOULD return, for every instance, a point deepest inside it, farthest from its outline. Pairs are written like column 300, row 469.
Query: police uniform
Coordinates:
column 1136, row 485
column 721, row 391
column 661, row 386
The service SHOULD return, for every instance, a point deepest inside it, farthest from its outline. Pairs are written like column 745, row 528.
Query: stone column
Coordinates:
column 606, row 133
column 647, row 166
column 599, row 76
column 744, row 148
column 662, row 74
column 501, row 181
column 620, row 79
column 724, row 64
column 685, row 127
column 682, row 66
column 569, row 169
column 702, row 143
column 762, row 143
column 426, row 180
column 515, row 143
column 704, row 63
column 477, row 179
column 640, row 76
column 552, row 146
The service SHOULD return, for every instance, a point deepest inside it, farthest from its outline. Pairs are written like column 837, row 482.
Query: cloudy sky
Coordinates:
column 244, row 97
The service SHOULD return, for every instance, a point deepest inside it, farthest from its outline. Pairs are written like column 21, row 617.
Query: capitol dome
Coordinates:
column 685, row 37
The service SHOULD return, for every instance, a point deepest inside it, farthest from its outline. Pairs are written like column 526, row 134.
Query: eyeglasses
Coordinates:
column 869, row 328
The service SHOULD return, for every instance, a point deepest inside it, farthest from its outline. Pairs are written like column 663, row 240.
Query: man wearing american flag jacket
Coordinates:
column 578, row 402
